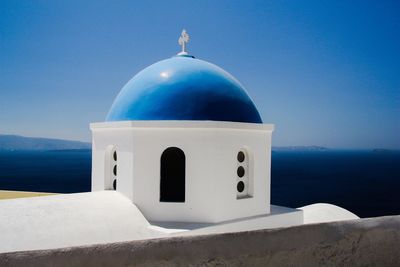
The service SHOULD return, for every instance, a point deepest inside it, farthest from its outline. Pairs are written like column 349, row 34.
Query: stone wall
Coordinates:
column 364, row 242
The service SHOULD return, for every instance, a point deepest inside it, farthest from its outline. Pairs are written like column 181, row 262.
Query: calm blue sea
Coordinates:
column 365, row 182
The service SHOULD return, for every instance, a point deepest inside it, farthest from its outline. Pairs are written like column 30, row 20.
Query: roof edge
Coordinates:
column 181, row 124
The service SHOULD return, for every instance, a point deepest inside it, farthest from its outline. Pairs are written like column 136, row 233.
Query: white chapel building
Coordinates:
column 183, row 151
column 184, row 141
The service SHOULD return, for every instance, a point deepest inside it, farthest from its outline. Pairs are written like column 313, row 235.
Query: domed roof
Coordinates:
column 183, row 88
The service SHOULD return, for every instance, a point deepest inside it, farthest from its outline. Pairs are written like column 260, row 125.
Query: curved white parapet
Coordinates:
column 322, row 212
column 70, row 220
column 107, row 216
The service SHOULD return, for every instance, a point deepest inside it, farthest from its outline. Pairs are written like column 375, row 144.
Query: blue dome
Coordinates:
column 183, row 88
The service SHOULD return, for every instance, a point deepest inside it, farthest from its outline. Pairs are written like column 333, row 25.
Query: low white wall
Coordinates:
column 364, row 242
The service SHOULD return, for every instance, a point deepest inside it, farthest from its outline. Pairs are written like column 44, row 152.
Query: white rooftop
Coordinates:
column 70, row 220
column 107, row 216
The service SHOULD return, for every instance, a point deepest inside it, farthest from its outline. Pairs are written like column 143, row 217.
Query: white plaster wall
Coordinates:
column 210, row 149
column 200, row 192
column 70, row 220
column 258, row 146
column 121, row 138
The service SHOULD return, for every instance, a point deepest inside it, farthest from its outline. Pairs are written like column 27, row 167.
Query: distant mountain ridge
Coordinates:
column 10, row 142
column 299, row 148
column 19, row 143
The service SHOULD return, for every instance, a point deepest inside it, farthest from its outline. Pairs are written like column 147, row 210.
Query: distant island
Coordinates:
column 299, row 148
column 21, row 143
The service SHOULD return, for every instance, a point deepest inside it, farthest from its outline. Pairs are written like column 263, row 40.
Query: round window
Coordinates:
column 240, row 171
column 240, row 187
column 240, row 156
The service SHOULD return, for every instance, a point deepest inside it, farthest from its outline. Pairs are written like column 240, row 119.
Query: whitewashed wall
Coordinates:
column 210, row 149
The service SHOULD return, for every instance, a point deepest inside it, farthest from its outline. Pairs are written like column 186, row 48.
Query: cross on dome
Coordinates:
column 183, row 40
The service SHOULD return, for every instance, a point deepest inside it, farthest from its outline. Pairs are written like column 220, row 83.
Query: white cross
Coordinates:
column 183, row 40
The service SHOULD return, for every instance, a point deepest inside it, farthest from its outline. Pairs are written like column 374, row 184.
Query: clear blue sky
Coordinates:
column 324, row 72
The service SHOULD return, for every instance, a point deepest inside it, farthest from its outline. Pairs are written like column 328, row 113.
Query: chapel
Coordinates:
column 184, row 141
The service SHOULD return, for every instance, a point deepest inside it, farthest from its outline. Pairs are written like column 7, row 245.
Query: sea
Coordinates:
column 364, row 182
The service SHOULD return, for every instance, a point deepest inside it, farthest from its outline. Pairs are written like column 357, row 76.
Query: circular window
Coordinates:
column 115, row 184
column 115, row 170
column 115, row 155
column 240, row 156
column 240, row 187
column 240, row 171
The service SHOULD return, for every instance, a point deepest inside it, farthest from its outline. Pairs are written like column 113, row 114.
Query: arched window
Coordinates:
column 172, row 175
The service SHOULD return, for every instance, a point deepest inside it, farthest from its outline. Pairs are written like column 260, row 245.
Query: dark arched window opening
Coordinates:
column 172, row 182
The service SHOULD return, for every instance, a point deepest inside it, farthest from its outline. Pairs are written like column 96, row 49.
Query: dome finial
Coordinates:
column 183, row 40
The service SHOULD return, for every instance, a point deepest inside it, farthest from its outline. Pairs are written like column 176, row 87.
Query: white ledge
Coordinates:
column 182, row 124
